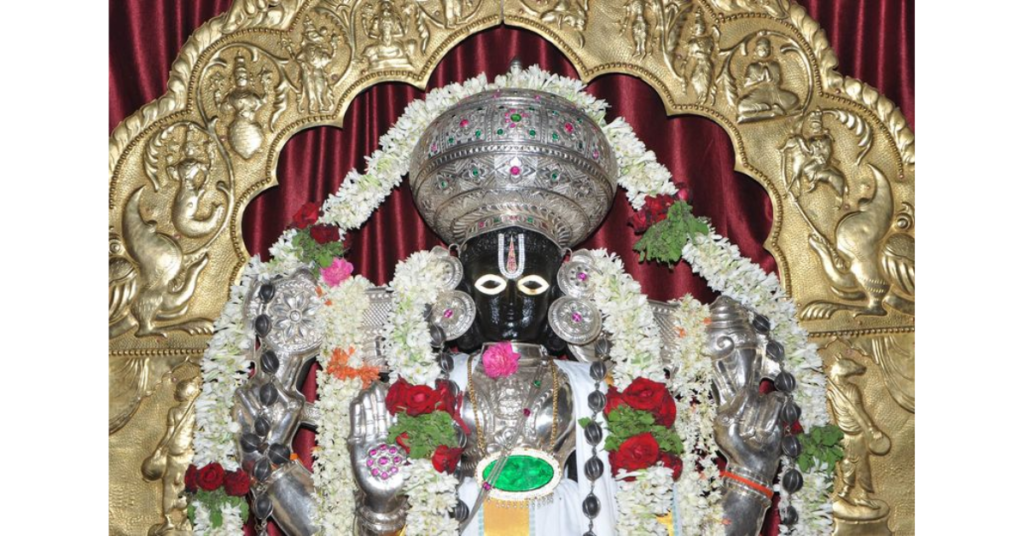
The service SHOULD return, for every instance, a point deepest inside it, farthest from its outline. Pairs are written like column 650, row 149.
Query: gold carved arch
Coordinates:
column 836, row 157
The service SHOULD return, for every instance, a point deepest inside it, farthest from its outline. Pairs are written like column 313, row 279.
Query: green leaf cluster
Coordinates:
column 664, row 241
column 214, row 501
column 426, row 433
column 820, row 444
column 310, row 251
column 625, row 422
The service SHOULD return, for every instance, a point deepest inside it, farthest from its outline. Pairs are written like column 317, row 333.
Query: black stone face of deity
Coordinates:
column 510, row 273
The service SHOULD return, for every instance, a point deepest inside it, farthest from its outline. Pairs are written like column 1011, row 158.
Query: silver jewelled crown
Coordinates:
column 513, row 157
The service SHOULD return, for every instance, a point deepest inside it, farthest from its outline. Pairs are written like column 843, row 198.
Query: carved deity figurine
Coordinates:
column 808, row 159
column 635, row 24
column 861, row 440
column 386, row 27
column 314, row 55
column 762, row 94
column 171, row 457
column 694, row 58
column 242, row 103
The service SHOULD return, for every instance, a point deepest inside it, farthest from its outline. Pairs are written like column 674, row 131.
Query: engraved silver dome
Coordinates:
column 513, row 157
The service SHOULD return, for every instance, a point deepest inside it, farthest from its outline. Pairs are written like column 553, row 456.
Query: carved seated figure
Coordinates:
column 762, row 94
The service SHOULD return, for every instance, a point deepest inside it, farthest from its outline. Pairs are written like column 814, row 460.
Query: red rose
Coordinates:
column 659, row 204
column 306, row 216
column 191, row 485
column 211, row 477
column 445, row 459
column 672, row 462
column 651, row 396
column 796, row 428
column 449, row 403
column 613, row 400
column 236, row 483
column 395, row 399
column 403, row 441
column 324, row 234
column 420, row 400
column 684, row 194
column 635, row 453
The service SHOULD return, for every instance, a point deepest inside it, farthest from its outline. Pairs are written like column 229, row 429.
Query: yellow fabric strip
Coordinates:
column 505, row 520
column 667, row 521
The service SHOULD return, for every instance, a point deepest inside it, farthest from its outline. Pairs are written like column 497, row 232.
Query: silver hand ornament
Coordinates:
column 383, row 506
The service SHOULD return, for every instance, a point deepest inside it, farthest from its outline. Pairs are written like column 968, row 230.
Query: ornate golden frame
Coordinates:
column 836, row 157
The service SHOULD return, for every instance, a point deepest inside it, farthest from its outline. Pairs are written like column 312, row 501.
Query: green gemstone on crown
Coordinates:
column 522, row 473
column 516, row 118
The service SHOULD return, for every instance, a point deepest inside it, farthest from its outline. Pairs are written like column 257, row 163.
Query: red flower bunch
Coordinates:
column 404, row 397
column 212, row 476
column 640, row 422
column 655, row 209
column 645, row 395
column 421, row 411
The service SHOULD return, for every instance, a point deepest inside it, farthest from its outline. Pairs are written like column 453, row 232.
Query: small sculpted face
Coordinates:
column 511, row 308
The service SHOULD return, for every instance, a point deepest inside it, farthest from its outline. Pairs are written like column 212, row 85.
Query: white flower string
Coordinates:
column 697, row 491
column 728, row 272
column 406, row 336
column 628, row 318
column 432, row 495
column 641, row 502
column 332, row 467
column 232, row 523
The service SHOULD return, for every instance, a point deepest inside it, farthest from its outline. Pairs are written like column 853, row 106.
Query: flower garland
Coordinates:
column 697, row 491
column 361, row 193
column 727, row 271
column 341, row 378
column 641, row 498
column 407, row 337
column 628, row 317
column 431, row 491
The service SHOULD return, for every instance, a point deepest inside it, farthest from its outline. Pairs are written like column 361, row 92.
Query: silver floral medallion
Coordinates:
column 453, row 312
column 576, row 321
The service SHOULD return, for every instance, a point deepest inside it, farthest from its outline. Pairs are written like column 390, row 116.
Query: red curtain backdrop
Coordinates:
column 873, row 39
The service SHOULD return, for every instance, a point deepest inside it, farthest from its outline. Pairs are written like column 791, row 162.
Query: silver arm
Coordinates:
column 747, row 428
column 269, row 408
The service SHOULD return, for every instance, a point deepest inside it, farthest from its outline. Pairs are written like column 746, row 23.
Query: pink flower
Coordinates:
column 338, row 271
column 500, row 360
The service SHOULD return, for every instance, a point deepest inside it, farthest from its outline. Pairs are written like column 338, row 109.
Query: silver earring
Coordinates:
column 576, row 320
column 454, row 310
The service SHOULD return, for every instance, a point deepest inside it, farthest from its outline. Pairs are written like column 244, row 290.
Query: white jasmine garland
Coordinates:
column 728, row 272
column 628, row 318
column 697, row 491
column 406, row 336
column 431, row 496
column 225, row 364
column 361, row 193
column 639, row 503
column 232, row 523
column 332, row 467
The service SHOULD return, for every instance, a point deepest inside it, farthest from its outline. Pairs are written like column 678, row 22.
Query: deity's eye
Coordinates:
column 532, row 285
column 490, row 284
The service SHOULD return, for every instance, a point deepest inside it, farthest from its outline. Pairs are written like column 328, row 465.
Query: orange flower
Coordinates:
column 338, row 367
column 681, row 332
column 707, row 321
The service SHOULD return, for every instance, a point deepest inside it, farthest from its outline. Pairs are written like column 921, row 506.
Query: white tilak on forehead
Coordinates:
column 514, row 263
